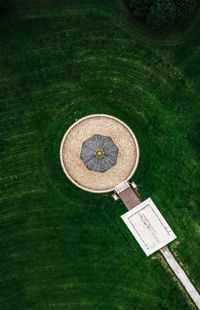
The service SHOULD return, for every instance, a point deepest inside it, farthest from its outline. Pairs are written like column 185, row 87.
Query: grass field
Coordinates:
column 62, row 248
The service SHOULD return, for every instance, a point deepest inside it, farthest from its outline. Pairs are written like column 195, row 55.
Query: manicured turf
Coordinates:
column 62, row 248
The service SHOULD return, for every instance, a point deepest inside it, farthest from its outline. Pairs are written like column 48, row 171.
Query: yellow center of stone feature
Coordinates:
column 99, row 153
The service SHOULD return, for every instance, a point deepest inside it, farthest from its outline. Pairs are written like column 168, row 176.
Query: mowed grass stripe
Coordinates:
column 65, row 62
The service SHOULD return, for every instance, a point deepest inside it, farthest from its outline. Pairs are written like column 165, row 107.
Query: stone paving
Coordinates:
column 122, row 137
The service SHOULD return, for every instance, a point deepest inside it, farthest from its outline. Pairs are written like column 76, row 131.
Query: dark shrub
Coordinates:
column 184, row 8
column 140, row 8
column 162, row 14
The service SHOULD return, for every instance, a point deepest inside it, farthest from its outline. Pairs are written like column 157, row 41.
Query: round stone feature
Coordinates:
column 75, row 153
column 99, row 153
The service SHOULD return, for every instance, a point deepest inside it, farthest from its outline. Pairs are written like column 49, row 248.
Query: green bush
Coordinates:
column 184, row 8
column 162, row 14
column 140, row 8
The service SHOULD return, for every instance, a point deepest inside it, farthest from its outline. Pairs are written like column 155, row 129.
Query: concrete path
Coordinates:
column 179, row 272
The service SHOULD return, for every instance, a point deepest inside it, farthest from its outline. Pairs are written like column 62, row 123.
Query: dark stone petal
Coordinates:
column 91, row 164
column 87, row 153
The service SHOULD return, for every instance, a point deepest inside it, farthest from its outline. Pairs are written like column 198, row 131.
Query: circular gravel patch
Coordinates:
column 85, row 128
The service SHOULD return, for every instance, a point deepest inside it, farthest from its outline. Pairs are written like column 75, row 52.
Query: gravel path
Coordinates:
column 85, row 128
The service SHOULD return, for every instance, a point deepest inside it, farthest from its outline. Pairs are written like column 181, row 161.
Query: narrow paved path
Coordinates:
column 183, row 278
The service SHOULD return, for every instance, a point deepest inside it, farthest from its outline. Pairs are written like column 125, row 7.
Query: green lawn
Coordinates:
column 62, row 248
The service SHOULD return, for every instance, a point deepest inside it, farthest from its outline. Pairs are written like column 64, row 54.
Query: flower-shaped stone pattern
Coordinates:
column 99, row 153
